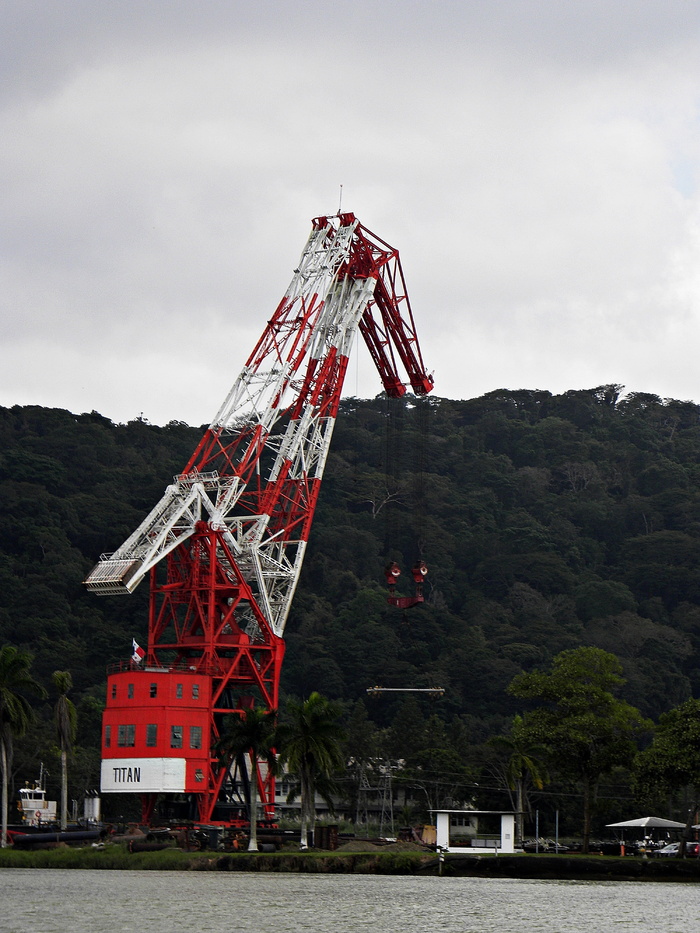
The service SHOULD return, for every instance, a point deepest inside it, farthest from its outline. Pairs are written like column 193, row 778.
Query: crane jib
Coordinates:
column 223, row 548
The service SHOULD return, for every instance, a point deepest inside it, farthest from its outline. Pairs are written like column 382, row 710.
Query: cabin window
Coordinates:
column 195, row 691
column 154, row 690
column 178, row 691
column 114, row 691
column 108, row 736
column 151, row 735
column 130, row 691
column 126, row 736
column 460, row 821
column 176, row 736
column 195, row 736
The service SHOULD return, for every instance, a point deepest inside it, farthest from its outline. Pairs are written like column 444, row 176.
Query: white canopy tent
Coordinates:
column 647, row 822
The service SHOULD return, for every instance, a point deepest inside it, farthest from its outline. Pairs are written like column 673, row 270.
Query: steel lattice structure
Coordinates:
column 231, row 530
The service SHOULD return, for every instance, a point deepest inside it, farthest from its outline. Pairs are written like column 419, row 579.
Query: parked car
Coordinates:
column 671, row 850
column 544, row 845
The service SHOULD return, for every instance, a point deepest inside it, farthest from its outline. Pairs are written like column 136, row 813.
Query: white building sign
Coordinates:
column 142, row 775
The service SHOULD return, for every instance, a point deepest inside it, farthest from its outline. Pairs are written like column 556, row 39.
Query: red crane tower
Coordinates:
column 224, row 546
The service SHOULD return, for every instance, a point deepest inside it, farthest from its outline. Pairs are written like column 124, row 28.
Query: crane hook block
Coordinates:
column 392, row 572
column 419, row 571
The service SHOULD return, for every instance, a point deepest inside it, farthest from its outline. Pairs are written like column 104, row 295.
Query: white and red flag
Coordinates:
column 137, row 652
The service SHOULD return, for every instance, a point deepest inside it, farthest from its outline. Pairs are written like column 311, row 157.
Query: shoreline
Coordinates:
column 524, row 867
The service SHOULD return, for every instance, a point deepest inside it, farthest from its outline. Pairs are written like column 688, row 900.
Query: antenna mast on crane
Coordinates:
column 223, row 548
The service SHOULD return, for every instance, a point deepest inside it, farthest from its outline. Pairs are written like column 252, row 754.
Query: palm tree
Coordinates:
column 310, row 740
column 251, row 734
column 523, row 765
column 66, row 727
column 16, row 712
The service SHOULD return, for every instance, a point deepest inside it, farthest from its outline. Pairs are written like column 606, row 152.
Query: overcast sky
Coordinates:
column 537, row 164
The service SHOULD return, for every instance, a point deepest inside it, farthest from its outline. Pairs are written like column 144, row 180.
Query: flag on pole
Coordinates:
column 137, row 652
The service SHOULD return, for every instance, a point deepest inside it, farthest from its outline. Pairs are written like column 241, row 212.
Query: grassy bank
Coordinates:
column 118, row 857
column 571, row 868
column 594, row 868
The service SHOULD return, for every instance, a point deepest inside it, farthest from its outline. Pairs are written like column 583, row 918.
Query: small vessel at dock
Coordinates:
column 36, row 811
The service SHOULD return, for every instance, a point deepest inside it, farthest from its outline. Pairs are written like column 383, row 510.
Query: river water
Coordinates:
column 74, row 901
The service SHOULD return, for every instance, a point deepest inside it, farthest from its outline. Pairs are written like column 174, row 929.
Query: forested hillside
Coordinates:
column 547, row 522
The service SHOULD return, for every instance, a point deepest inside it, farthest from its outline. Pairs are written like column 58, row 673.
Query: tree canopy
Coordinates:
column 672, row 761
column 587, row 731
column 253, row 734
column 16, row 712
column 66, row 719
column 548, row 522
column 310, row 742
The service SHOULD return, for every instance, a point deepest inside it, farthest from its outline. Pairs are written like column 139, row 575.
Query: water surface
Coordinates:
column 76, row 901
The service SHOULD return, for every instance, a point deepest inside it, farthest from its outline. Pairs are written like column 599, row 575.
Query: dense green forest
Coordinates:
column 548, row 522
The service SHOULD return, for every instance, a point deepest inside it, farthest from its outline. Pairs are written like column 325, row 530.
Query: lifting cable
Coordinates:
column 423, row 412
column 393, row 464
column 405, row 458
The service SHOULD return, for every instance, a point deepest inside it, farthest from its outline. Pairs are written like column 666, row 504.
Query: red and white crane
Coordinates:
column 223, row 548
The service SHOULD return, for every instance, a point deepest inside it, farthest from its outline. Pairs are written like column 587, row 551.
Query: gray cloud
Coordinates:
column 535, row 163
